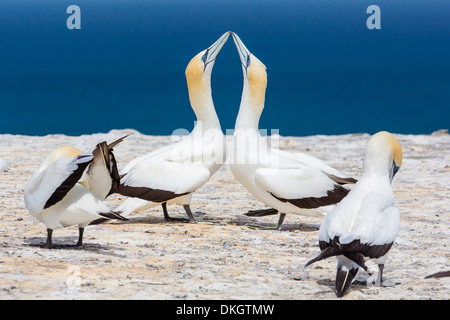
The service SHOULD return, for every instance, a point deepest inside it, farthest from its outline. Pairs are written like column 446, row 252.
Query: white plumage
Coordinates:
column 171, row 174
column 365, row 224
column 50, row 176
column 287, row 182
column 60, row 193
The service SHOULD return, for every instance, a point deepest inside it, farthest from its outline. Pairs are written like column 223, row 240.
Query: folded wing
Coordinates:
column 51, row 185
column 303, row 187
column 163, row 180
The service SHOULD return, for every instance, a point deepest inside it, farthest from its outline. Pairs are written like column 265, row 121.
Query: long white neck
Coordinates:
column 203, row 106
column 376, row 165
column 249, row 111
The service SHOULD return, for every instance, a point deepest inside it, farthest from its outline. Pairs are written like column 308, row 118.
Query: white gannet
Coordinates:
column 171, row 174
column 287, row 182
column 68, row 188
column 365, row 224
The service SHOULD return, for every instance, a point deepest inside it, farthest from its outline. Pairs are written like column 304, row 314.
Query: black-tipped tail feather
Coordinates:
column 113, row 215
column 344, row 279
column 108, row 216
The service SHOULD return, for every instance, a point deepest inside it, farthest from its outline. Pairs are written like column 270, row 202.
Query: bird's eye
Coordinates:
column 204, row 57
column 248, row 60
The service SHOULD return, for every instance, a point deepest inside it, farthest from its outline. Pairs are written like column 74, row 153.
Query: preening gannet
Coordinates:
column 171, row 174
column 365, row 224
column 68, row 188
column 287, row 182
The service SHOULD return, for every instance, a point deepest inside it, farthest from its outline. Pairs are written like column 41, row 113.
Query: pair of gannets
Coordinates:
column 68, row 188
column 287, row 182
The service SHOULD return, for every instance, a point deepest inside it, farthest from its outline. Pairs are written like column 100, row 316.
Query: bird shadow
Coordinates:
column 330, row 284
column 200, row 216
column 303, row 227
column 208, row 219
column 326, row 283
column 61, row 243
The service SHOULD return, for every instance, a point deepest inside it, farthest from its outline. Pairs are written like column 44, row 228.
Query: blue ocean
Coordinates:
column 328, row 73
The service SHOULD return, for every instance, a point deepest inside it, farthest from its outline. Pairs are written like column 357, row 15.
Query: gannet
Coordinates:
column 68, row 188
column 365, row 224
column 171, row 174
column 287, row 182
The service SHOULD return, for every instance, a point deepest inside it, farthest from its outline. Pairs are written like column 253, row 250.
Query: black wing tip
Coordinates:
column 332, row 197
column 310, row 262
column 98, row 221
column 261, row 213
column 324, row 254
column 341, row 180
column 113, row 215
column 349, row 181
column 149, row 194
column 82, row 156
column 439, row 275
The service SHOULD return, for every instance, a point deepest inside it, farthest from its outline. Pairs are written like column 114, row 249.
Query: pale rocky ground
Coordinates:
column 148, row 258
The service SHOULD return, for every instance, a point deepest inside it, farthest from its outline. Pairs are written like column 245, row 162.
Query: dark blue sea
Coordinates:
column 328, row 73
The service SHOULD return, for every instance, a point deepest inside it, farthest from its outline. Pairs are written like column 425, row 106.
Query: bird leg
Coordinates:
column 167, row 217
column 276, row 227
column 80, row 237
column 380, row 275
column 49, row 244
column 187, row 208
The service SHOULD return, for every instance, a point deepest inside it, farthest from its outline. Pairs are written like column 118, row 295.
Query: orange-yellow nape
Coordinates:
column 398, row 153
column 393, row 144
column 257, row 81
column 198, row 83
column 194, row 76
column 64, row 152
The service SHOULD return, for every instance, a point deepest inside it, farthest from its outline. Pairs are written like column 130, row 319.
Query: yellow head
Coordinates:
column 199, row 69
column 58, row 153
column 64, row 152
column 196, row 79
column 255, row 76
column 257, row 80
column 384, row 152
